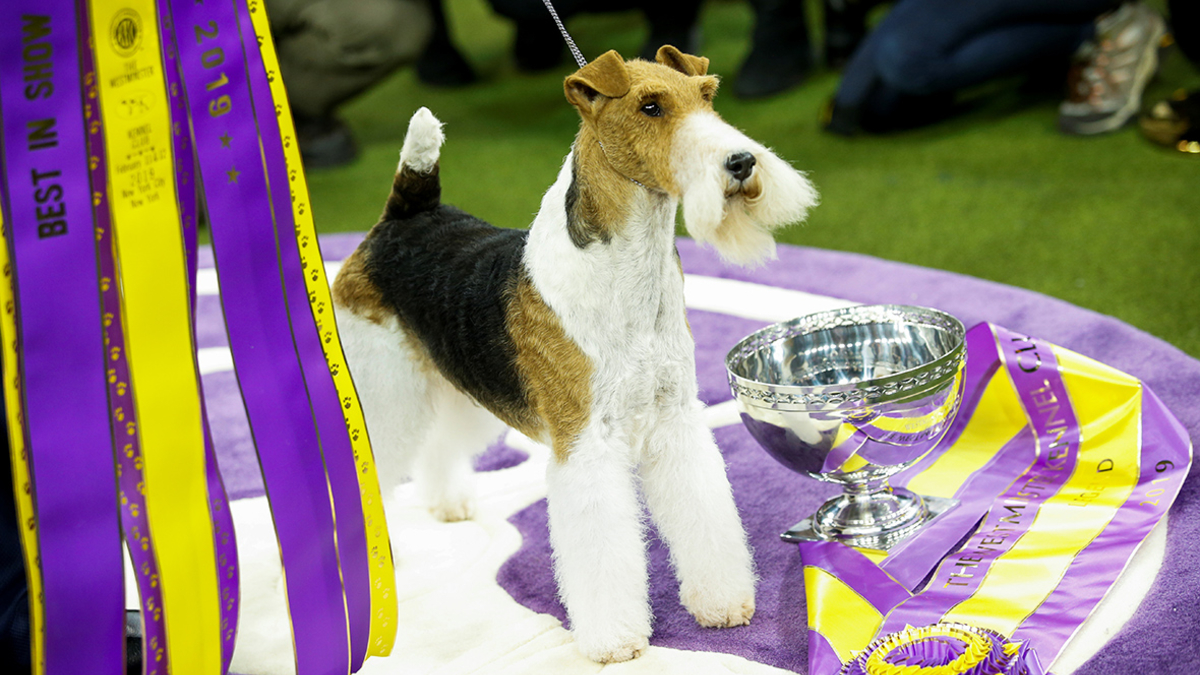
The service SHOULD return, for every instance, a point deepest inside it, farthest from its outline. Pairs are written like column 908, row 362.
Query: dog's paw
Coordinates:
column 453, row 510
column 615, row 650
column 720, row 614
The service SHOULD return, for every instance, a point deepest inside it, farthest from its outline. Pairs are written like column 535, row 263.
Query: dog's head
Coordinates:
column 656, row 126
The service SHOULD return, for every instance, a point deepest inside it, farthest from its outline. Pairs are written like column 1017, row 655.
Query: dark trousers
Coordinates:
column 1185, row 23
column 925, row 50
column 333, row 50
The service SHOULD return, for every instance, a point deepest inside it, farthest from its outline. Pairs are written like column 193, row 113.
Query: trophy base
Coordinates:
column 881, row 540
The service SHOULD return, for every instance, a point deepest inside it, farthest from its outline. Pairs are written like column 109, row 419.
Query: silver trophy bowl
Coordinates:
column 853, row 396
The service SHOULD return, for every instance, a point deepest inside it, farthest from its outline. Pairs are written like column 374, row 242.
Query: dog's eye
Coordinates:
column 651, row 109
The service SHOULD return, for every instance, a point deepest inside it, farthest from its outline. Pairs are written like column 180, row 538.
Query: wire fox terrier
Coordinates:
column 574, row 333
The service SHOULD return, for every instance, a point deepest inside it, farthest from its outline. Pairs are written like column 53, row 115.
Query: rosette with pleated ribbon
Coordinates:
column 944, row 649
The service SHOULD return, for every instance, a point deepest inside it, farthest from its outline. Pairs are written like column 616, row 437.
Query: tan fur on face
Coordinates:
column 618, row 141
column 556, row 373
column 600, row 203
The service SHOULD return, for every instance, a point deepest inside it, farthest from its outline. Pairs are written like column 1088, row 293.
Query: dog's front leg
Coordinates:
column 691, row 501
column 599, row 549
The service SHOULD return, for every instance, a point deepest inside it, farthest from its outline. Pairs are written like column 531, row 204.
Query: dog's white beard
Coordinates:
column 737, row 227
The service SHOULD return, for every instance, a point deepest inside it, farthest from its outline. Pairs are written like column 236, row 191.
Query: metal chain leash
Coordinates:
column 566, row 36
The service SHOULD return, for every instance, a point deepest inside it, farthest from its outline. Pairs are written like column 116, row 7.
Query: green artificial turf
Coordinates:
column 1109, row 223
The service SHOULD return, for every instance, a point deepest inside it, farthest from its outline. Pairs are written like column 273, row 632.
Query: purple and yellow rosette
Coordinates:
column 944, row 649
column 1062, row 465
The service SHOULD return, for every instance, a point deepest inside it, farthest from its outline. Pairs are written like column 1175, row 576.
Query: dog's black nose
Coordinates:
column 740, row 165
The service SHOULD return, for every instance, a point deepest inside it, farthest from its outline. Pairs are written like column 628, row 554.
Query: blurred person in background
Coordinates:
column 539, row 46
column 908, row 71
column 781, row 54
column 333, row 50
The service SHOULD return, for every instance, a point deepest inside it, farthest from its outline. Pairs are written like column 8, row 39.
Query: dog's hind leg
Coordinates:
column 691, row 502
column 395, row 392
column 442, row 473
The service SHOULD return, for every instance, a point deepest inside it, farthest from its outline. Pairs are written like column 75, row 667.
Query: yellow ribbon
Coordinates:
column 384, row 611
column 846, row 619
column 150, row 250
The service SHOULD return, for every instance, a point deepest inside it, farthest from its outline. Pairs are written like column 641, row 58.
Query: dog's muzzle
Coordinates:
column 740, row 165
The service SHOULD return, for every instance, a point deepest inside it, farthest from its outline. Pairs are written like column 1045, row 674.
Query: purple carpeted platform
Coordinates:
column 1162, row 637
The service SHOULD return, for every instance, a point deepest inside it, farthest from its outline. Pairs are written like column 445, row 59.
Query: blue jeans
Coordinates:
column 925, row 50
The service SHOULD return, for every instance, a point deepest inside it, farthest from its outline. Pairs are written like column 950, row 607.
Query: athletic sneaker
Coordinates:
column 1110, row 71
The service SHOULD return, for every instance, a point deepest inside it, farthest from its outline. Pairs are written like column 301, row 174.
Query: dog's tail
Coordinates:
column 416, row 187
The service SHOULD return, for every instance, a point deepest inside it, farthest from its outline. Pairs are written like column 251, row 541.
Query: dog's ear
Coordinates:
column 606, row 76
column 685, row 63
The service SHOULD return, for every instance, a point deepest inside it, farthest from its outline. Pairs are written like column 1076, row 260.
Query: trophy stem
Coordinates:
column 870, row 514
column 874, row 510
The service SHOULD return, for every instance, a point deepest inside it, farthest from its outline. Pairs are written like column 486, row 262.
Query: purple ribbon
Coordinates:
column 61, row 340
column 868, row 580
column 224, row 537
column 1038, row 382
column 255, row 306
column 872, row 583
column 982, row 362
column 185, row 159
column 322, row 394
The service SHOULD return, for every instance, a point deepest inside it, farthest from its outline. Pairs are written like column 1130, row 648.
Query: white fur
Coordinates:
column 422, row 143
column 421, row 427
column 645, row 425
column 739, row 229
column 621, row 302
